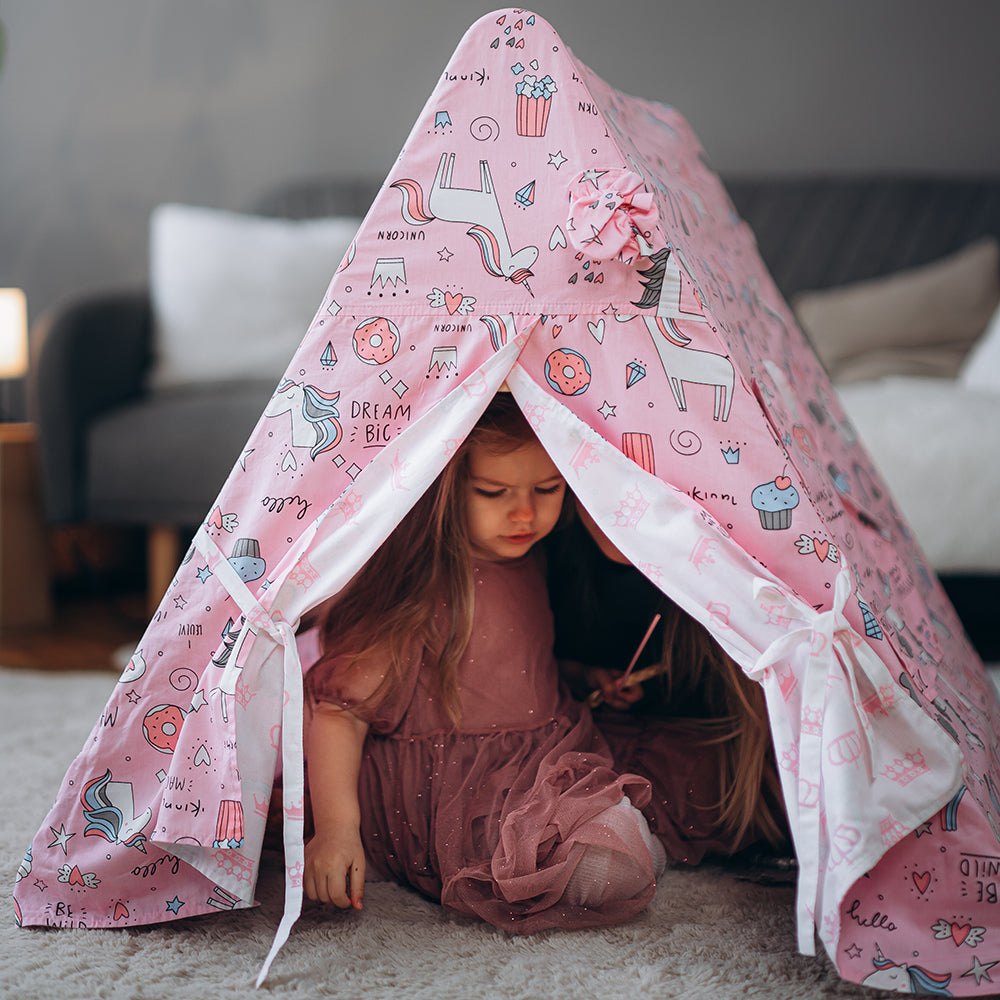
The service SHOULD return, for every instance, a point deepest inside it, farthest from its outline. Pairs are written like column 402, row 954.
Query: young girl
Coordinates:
column 443, row 751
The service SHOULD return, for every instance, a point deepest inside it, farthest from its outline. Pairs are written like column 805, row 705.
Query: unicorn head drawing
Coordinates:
column 675, row 300
column 314, row 414
column 902, row 978
column 109, row 809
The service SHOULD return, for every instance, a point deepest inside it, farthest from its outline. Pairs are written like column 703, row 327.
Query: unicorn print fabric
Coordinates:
column 541, row 229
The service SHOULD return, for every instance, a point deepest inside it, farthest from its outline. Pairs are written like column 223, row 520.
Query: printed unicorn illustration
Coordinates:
column 904, row 978
column 109, row 809
column 664, row 288
column 314, row 414
column 226, row 657
column 477, row 208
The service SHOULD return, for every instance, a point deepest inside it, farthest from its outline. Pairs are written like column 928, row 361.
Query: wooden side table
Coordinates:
column 25, row 593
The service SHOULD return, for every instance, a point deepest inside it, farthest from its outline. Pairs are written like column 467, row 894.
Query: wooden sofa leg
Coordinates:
column 162, row 554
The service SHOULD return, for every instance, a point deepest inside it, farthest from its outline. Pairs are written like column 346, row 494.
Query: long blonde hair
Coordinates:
column 417, row 589
column 735, row 722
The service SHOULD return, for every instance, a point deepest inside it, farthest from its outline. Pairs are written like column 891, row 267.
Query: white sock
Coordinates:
column 603, row 874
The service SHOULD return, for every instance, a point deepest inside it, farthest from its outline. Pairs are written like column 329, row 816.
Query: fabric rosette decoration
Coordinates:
column 612, row 212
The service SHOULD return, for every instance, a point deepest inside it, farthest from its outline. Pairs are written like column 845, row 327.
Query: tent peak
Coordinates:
column 525, row 162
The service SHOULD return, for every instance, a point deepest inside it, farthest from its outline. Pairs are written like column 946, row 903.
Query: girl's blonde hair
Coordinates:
column 735, row 723
column 417, row 590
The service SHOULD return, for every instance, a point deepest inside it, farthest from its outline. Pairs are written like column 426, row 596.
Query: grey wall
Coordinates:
column 108, row 107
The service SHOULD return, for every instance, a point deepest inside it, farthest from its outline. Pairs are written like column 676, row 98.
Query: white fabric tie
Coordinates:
column 281, row 632
column 830, row 641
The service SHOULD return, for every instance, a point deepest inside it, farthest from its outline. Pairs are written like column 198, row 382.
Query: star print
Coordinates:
column 198, row 700
column 607, row 410
column 204, row 573
column 557, row 159
column 924, row 828
column 62, row 837
column 853, row 952
column 133, row 697
column 593, row 175
column 179, row 602
column 445, row 254
column 174, row 905
column 596, row 237
column 40, row 885
column 980, row 970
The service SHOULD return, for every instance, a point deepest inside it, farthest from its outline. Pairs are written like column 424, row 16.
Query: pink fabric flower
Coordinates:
column 612, row 212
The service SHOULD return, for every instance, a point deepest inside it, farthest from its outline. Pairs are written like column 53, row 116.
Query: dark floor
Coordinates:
column 84, row 635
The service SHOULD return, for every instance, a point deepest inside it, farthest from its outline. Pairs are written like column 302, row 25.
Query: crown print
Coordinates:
column 295, row 873
column 904, row 770
column 650, row 570
column 873, row 704
column 787, row 682
column 790, row 759
column 443, row 359
column 304, row 574
column 812, row 721
column 535, row 415
column 584, row 457
column 631, row 509
column 236, row 865
column 891, row 830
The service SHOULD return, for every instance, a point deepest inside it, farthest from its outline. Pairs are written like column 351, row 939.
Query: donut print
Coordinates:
column 567, row 371
column 376, row 340
column 162, row 726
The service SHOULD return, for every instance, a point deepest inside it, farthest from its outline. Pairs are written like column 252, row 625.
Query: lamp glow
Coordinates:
column 13, row 333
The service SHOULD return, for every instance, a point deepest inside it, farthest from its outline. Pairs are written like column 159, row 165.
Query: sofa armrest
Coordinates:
column 87, row 356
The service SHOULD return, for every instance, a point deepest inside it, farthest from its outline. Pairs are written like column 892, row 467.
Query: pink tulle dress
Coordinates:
column 518, row 817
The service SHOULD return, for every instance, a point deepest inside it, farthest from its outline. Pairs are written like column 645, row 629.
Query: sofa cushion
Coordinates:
column 165, row 458
column 981, row 369
column 931, row 439
column 234, row 294
column 921, row 321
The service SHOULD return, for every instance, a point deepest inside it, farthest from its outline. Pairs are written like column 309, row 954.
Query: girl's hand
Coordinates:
column 335, row 869
column 606, row 681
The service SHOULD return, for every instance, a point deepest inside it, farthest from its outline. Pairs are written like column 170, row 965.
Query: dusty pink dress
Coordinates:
column 493, row 819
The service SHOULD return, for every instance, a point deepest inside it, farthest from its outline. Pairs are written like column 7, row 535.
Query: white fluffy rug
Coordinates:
column 707, row 934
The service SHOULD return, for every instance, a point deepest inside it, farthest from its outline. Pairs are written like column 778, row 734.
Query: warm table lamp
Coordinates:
column 24, row 577
column 13, row 333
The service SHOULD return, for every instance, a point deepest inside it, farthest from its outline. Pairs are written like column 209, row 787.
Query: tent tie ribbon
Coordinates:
column 822, row 642
column 259, row 619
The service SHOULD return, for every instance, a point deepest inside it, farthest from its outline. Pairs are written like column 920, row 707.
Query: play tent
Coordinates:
column 544, row 230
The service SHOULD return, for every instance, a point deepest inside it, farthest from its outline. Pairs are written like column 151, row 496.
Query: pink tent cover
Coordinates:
column 541, row 229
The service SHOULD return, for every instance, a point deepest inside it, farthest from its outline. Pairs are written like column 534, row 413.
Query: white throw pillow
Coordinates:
column 981, row 368
column 234, row 294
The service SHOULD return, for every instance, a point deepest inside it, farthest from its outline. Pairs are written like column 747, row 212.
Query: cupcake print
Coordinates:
column 775, row 501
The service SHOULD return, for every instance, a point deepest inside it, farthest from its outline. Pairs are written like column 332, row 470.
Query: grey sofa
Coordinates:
column 113, row 451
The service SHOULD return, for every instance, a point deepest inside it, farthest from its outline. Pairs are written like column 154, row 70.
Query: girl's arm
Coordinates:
column 335, row 858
